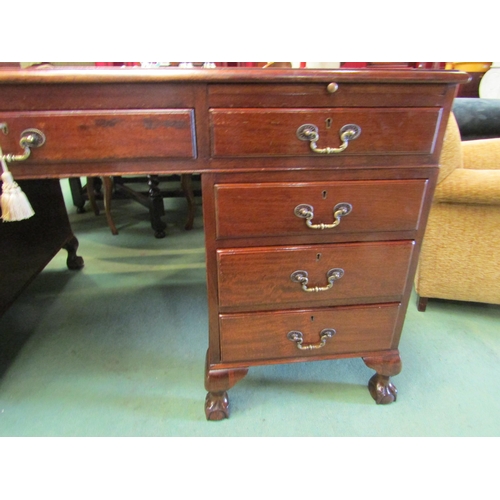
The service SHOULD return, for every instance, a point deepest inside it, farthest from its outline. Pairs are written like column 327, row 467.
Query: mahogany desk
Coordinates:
column 316, row 189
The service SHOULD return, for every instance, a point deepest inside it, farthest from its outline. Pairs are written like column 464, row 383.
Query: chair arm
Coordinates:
column 483, row 154
column 479, row 187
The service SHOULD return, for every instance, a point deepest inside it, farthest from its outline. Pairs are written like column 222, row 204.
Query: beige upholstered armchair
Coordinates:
column 460, row 257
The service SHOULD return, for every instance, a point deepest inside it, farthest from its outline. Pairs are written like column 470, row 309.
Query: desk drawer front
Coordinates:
column 323, row 95
column 104, row 135
column 262, row 336
column 273, row 132
column 245, row 210
column 260, row 278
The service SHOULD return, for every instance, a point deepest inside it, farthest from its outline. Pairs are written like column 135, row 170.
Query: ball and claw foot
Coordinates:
column 217, row 406
column 382, row 390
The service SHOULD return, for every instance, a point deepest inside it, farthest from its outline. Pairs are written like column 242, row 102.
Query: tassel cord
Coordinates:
column 14, row 203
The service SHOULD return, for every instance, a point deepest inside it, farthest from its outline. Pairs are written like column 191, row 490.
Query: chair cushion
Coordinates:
column 478, row 187
column 483, row 154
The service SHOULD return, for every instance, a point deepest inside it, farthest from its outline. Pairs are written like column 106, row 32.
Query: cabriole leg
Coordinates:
column 73, row 261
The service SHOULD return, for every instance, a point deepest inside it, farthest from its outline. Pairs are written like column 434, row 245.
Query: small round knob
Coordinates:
column 332, row 87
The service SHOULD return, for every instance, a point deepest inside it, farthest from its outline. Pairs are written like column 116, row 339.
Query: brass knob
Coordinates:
column 332, row 87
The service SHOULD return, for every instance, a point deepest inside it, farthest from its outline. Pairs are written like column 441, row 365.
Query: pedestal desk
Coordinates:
column 316, row 189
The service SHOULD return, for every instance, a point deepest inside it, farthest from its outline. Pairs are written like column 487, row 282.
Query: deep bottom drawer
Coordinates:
column 265, row 335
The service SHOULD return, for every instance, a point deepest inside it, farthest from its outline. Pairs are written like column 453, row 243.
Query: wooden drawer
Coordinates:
column 317, row 95
column 263, row 336
column 273, row 132
column 260, row 278
column 73, row 136
column 267, row 209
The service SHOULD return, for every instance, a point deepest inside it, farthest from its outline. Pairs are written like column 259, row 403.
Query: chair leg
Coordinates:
column 91, row 195
column 187, row 188
column 422, row 303
column 108, row 196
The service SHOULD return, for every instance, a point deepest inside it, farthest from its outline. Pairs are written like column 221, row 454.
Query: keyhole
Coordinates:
column 328, row 123
column 312, row 318
column 318, row 256
column 324, row 194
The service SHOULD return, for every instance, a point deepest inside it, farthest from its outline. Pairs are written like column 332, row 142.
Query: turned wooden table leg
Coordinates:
column 217, row 383
column 382, row 390
column 156, row 207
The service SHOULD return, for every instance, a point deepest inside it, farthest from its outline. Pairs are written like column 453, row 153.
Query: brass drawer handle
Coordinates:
column 307, row 212
column 298, row 337
column 301, row 277
column 309, row 132
column 30, row 138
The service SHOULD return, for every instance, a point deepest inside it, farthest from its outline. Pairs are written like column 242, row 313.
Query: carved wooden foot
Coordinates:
column 74, row 262
column 217, row 406
column 382, row 390
column 217, row 382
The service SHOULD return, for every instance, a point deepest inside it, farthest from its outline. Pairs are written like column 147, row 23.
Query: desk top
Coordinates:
column 93, row 74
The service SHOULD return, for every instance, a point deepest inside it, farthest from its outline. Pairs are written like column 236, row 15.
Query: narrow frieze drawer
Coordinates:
column 327, row 94
column 81, row 136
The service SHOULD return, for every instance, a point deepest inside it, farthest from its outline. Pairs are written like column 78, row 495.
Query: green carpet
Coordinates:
column 118, row 349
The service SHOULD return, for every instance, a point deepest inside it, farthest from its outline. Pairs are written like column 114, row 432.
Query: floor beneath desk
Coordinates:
column 118, row 349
